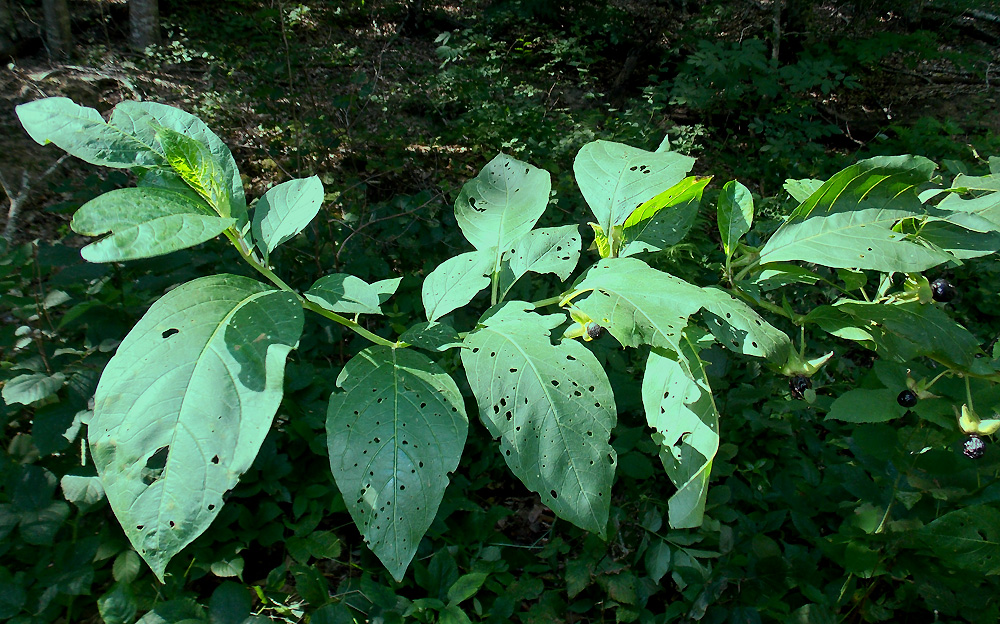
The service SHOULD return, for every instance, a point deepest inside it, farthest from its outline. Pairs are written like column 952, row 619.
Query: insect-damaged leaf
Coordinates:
column 552, row 408
column 183, row 407
column 393, row 437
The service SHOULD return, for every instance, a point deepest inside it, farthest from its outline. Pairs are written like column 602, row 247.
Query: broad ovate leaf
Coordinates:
column 183, row 407
column 393, row 436
column 663, row 220
column 679, row 406
column 552, row 407
column 26, row 389
column 866, row 405
column 455, row 282
column 194, row 162
column 502, row 204
column 967, row 539
column 636, row 303
column 848, row 221
column 735, row 214
column 82, row 132
column 545, row 250
column 345, row 294
column 801, row 190
column 145, row 222
column 284, row 210
column 615, row 179
column 738, row 327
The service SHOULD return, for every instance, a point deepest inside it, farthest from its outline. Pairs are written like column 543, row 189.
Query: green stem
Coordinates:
column 968, row 393
column 767, row 305
column 550, row 301
column 495, row 278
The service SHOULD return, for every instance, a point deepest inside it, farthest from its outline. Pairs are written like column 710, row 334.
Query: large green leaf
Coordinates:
column 866, row 405
column 143, row 120
column 82, row 132
column 145, row 222
column 735, row 214
column 284, row 210
column 26, row 389
column 455, row 282
column 679, row 406
column 552, row 408
column 967, row 539
column 847, row 222
column 738, row 327
column 615, row 179
column 393, row 437
column 545, row 250
column 636, row 303
column 340, row 292
column 502, row 204
column 663, row 220
column 183, row 407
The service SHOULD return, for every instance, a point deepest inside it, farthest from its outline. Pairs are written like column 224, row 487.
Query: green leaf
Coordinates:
column 284, row 210
column 657, row 560
column 552, row 408
column 183, row 407
column 452, row 614
column 663, row 220
column 638, row 304
column 615, row 179
column 144, row 222
column 145, row 118
column 82, row 132
column 547, row 250
column 455, row 282
column 738, row 327
column 978, row 183
column 847, row 222
column 345, row 294
column 679, row 406
column 967, row 539
column 779, row 274
column 26, row 389
column 466, row 587
column 960, row 242
column 431, row 336
column 118, row 605
column 393, row 437
column 501, row 204
column 84, row 492
column 126, row 566
column 230, row 604
column 865, row 405
column 801, row 190
column 601, row 241
column 735, row 214
column 194, row 162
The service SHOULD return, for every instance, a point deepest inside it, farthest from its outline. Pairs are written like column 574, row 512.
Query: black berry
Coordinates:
column 798, row 385
column 594, row 330
column 907, row 398
column 942, row 290
column 973, row 447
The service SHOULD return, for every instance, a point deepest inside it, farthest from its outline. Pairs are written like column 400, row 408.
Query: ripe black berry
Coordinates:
column 594, row 330
column 973, row 447
column 942, row 290
column 907, row 398
column 798, row 385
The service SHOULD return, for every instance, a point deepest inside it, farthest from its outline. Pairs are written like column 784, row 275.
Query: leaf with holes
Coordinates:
column 145, row 222
column 615, row 179
column 501, row 204
column 738, row 327
column 455, row 282
column 848, row 222
column 663, row 220
column 679, row 406
column 393, row 437
column 545, row 250
column 735, row 214
column 183, row 407
column 552, row 408
column 637, row 304
column 284, row 210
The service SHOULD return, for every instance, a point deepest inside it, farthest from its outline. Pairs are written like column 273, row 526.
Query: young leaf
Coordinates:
column 615, row 179
column 145, row 222
column 393, row 437
column 197, row 166
column 735, row 214
column 638, row 304
column 847, row 222
column 552, row 408
column 284, row 210
column 679, row 406
column 455, row 282
column 82, row 132
column 183, row 407
column 345, row 294
column 663, row 220
column 501, row 204
column 601, row 241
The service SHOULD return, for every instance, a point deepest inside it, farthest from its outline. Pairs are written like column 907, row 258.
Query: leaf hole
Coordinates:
column 170, row 332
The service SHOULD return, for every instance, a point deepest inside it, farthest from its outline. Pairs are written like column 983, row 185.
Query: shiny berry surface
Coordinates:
column 973, row 447
column 798, row 384
column 907, row 398
column 594, row 330
column 942, row 290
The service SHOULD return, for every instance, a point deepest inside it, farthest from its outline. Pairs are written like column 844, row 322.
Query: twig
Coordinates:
column 21, row 196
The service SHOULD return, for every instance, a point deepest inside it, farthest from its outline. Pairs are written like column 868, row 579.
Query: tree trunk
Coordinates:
column 58, row 34
column 144, row 23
